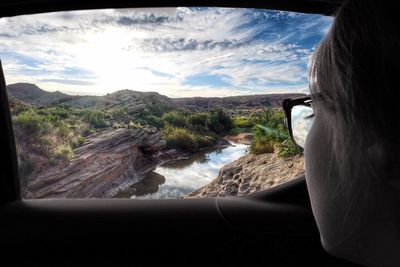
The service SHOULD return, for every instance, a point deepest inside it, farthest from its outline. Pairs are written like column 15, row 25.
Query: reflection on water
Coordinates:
column 150, row 184
column 184, row 176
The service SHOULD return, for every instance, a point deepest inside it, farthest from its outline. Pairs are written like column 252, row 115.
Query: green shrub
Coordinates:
column 272, row 134
column 179, row 138
column 63, row 129
column 155, row 121
column 262, row 144
column 199, row 121
column 287, row 149
column 61, row 112
column 175, row 118
column 220, row 122
column 29, row 120
column 243, row 122
column 95, row 118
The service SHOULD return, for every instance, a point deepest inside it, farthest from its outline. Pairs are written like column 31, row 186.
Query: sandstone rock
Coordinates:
column 102, row 166
column 252, row 173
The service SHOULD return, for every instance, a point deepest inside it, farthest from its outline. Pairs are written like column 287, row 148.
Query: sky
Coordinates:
column 178, row 52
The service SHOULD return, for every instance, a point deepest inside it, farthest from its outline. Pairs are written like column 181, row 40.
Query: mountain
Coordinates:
column 137, row 101
column 32, row 94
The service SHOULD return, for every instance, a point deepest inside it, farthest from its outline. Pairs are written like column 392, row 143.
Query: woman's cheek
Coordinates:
column 321, row 182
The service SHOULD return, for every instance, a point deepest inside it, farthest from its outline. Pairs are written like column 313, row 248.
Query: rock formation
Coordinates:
column 252, row 173
column 103, row 165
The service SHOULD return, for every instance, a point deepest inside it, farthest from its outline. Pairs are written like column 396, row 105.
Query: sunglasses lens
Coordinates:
column 302, row 120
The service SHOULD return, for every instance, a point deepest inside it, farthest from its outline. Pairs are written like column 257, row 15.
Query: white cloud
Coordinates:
column 97, row 52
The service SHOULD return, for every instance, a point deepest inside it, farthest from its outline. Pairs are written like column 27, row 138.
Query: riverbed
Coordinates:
column 178, row 178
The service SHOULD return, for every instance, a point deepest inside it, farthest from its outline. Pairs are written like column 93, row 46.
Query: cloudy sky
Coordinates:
column 175, row 51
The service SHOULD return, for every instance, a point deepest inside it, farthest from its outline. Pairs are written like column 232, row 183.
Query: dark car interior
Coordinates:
column 274, row 227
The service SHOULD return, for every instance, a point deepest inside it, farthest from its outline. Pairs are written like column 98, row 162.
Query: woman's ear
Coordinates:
column 379, row 160
column 376, row 152
column 385, row 163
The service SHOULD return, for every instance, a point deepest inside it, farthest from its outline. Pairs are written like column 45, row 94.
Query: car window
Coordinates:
column 155, row 103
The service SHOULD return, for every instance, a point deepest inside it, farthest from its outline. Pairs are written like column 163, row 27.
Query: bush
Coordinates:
column 287, row 149
column 61, row 112
column 198, row 121
column 95, row 118
column 179, row 138
column 64, row 130
column 261, row 145
column 154, row 121
column 269, row 117
column 243, row 122
column 29, row 120
column 220, row 122
column 177, row 119
column 272, row 134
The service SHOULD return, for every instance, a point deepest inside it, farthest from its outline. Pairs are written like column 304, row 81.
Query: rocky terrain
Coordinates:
column 97, row 146
column 252, row 173
column 246, row 102
column 103, row 165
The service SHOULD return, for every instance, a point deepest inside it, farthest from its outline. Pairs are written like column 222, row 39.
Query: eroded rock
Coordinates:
column 102, row 166
column 252, row 173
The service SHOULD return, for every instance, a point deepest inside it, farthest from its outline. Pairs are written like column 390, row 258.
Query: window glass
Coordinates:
column 155, row 103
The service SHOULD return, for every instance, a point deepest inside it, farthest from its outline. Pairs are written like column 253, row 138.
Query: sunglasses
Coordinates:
column 299, row 118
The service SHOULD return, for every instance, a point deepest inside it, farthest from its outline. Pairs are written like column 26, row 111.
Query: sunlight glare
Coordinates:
column 108, row 54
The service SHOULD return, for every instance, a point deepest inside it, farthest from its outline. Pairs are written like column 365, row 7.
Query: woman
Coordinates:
column 352, row 148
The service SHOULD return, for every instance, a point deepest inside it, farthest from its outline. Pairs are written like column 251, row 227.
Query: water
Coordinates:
column 178, row 178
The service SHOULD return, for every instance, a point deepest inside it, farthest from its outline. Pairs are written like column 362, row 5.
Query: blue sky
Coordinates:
column 177, row 52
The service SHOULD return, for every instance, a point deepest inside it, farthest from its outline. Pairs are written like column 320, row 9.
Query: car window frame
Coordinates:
column 9, row 177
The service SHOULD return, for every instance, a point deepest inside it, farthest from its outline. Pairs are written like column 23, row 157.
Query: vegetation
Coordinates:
column 54, row 132
column 51, row 133
column 270, row 134
column 191, row 131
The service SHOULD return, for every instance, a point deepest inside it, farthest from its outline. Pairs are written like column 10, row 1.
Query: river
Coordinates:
column 178, row 178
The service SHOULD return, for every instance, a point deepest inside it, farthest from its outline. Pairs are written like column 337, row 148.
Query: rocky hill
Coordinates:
column 138, row 101
column 33, row 95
